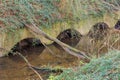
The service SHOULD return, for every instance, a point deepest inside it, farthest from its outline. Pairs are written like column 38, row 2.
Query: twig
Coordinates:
column 52, row 53
column 29, row 65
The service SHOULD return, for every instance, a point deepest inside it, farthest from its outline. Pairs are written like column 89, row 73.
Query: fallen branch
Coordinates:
column 29, row 65
column 52, row 53
column 66, row 47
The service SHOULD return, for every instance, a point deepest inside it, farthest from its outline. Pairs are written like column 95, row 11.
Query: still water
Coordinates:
column 15, row 68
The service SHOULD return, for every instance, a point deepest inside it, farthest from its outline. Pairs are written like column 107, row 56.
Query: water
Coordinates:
column 15, row 68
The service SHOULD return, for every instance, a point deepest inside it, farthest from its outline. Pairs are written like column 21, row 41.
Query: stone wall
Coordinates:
column 9, row 38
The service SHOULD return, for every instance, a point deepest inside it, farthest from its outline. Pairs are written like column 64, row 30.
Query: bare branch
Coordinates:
column 66, row 47
column 29, row 65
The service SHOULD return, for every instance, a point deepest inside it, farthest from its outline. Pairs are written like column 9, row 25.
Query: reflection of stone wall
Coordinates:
column 9, row 39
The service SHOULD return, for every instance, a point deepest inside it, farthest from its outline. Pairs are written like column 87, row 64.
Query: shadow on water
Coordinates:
column 29, row 47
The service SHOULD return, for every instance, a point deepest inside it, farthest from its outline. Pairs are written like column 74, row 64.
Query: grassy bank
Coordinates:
column 104, row 68
column 16, row 13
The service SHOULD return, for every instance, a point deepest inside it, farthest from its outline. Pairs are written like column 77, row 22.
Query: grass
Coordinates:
column 104, row 68
column 14, row 13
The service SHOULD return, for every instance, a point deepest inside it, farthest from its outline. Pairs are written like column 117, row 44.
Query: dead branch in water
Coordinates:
column 66, row 47
column 29, row 65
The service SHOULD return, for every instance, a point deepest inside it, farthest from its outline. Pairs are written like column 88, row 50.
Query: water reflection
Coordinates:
column 13, row 68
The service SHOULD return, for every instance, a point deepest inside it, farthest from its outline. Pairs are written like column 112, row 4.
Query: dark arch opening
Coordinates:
column 27, row 47
column 99, row 31
column 70, row 37
column 117, row 25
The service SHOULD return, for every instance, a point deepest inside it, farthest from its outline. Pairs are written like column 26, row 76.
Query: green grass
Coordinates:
column 104, row 68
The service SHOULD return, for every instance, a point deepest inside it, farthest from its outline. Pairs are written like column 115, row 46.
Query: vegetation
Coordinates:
column 104, row 68
column 16, row 13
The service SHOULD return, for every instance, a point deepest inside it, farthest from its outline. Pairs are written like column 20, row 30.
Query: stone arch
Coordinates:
column 99, row 31
column 117, row 25
column 27, row 47
column 70, row 37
